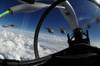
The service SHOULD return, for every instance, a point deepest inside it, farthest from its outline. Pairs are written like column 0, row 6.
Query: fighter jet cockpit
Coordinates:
column 49, row 32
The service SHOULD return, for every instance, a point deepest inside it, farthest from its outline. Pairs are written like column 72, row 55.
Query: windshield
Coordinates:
column 17, row 30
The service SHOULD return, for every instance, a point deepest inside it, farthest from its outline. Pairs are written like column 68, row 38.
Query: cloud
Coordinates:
column 83, row 18
column 17, row 44
column 52, row 43
column 95, row 44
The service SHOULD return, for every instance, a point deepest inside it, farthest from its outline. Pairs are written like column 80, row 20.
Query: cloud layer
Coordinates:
column 17, row 44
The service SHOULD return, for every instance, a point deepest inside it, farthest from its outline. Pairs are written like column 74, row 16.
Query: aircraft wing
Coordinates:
column 57, row 28
column 27, row 1
column 4, row 26
column 89, row 22
column 15, row 26
column 50, row 29
column 69, row 14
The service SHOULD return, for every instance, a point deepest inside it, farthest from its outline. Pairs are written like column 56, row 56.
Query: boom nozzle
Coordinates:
column 5, row 13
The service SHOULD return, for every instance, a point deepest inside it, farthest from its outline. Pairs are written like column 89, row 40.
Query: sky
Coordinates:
column 84, row 9
column 21, row 38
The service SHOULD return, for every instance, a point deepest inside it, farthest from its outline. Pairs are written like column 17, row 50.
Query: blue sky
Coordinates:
column 84, row 10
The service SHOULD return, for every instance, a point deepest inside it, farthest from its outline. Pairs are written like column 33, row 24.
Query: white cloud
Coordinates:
column 51, row 43
column 17, row 44
column 95, row 44
column 83, row 18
